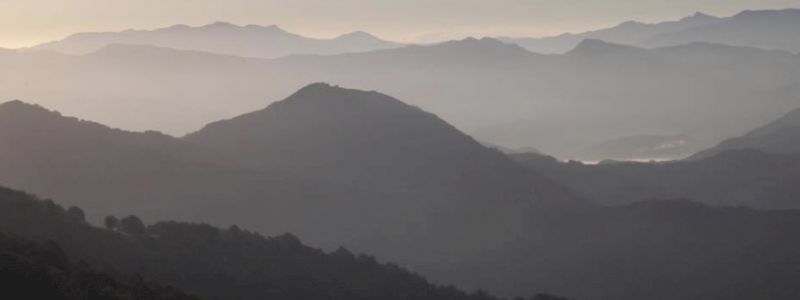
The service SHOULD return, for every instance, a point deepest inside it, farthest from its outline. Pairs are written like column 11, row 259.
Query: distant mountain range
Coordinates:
column 759, row 169
column 767, row 29
column 628, row 33
column 779, row 136
column 499, row 92
column 742, row 177
column 221, row 38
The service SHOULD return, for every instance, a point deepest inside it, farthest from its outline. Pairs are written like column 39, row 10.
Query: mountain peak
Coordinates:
column 321, row 93
column 221, row 25
column 699, row 16
column 359, row 35
column 173, row 27
column 272, row 28
column 483, row 45
column 600, row 47
column 628, row 24
column 18, row 107
column 317, row 88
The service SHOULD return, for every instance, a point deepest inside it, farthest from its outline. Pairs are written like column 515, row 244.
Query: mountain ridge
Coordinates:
column 781, row 136
column 222, row 38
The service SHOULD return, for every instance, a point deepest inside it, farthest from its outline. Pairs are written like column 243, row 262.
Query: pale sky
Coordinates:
column 29, row 22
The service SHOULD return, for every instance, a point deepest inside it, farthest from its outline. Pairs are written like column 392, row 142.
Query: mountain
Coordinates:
column 779, row 136
column 351, row 137
column 314, row 164
column 498, row 92
column 767, row 29
column 531, row 99
column 743, row 177
column 412, row 189
column 43, row 271
column 222, row 38
column 432, row 178
column 150, row 174
column 758, row 170
column 629, row 33
column 215, row 263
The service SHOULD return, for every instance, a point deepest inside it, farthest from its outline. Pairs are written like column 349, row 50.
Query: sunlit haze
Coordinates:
column 29, row 22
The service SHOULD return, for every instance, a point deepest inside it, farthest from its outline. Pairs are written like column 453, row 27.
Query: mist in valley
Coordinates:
column 233, row 160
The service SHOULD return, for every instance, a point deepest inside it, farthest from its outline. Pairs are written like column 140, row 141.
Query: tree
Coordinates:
column 548, row 297
column 76, row 214
column 111, row 222
column 132, row 225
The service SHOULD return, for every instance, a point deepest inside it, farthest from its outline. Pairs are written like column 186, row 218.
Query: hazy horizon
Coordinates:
column 461, row 150
column 28, row 23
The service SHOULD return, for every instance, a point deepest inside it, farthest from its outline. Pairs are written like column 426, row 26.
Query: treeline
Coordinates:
column 32, row 270
column 211, row 262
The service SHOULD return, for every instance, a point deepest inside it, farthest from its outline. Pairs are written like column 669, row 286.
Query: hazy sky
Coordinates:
column 28, row 22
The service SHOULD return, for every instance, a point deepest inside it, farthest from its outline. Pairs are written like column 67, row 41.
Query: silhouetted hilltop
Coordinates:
column 222, row 38
column 595, row 48
column 353, row 137
column 54, row 155
column 480, row 47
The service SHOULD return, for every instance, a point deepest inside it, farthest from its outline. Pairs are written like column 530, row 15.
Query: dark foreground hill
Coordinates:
column 212, row 262
column 33, row 270
column 652, row 250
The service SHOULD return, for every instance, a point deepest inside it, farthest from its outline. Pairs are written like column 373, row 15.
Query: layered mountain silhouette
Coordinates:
column 497, row 92
column 766, row 29
column 321, row 164
column 629, row 33
column 221, row 38
column 779, row 136
column 53, row 155
column 356, row 168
